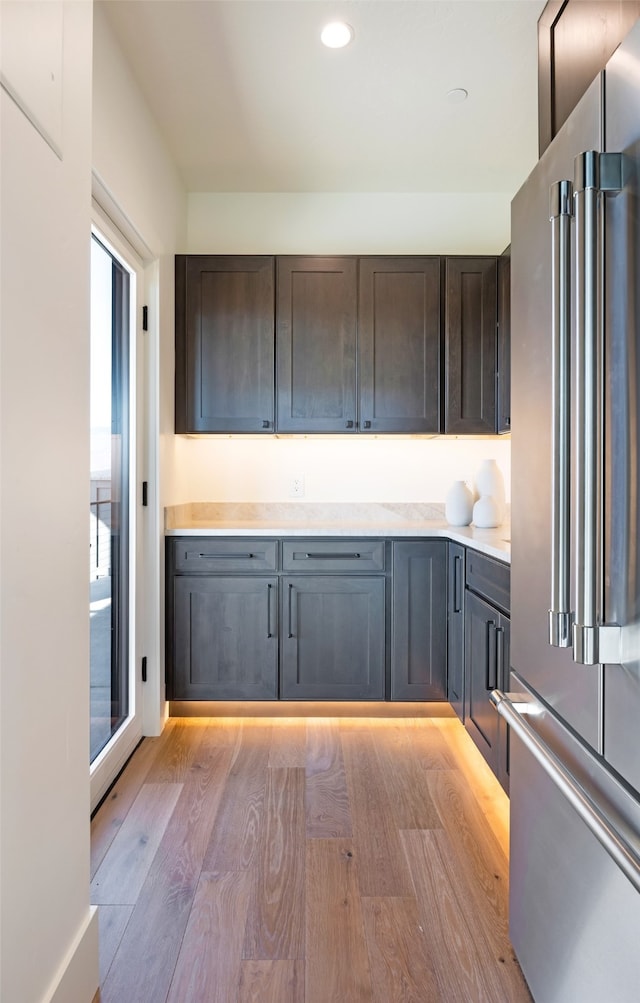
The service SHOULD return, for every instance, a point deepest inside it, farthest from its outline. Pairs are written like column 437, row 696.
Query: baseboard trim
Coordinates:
column 78, row 978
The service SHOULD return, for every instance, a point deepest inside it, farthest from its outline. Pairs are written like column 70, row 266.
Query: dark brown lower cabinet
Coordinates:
column 344, row 619
column 486, row 668
column 332, row 637
column 455, row 627
column 419, row 621
column 225, row 638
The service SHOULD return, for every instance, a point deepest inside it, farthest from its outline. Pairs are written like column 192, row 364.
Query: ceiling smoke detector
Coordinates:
column 457, row 95
column 336, row 35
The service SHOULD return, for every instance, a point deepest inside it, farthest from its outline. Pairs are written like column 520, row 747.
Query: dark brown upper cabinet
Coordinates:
column 347, row 345
column 575, row 41
column 470, row 345
column 224, row 344
column 316, row 344
column 399, row 334
column 503, row 388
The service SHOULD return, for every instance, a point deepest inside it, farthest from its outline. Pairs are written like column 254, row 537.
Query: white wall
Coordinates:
column 129, row 154
column 136, row 182
column 376, row 223
column 137, row 177
column 49, row 943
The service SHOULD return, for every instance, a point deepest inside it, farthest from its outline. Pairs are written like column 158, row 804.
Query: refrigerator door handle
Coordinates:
column 624, row 854
column 588, row 408
column 593, row 642
column 560, row 613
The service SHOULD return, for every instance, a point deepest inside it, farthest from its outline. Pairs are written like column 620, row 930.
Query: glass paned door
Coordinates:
column 109, row 521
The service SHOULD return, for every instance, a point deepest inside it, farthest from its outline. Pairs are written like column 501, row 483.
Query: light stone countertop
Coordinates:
column 391, row 520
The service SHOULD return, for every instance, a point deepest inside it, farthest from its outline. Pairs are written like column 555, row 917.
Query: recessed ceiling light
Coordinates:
column 457, row 95
column 336, row 35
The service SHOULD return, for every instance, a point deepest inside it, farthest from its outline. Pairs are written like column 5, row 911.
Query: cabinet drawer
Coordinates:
column 331, row 556
column 211, row 555
column 489, row 578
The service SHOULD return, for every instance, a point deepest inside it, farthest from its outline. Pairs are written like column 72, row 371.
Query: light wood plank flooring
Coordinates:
column 305, row 860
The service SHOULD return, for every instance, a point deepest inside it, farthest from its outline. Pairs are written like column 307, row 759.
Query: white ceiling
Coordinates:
column 248, row 99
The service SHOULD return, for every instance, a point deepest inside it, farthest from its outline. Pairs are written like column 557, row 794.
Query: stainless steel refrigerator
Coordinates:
column 574, row 700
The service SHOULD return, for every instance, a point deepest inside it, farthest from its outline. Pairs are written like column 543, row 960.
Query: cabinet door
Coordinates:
column 419, row 619
column 224, row 344
column 455, row 628
column 333, row 638
column 399, row 344
column 316, row 344
column 225, row 638
column 503, row 407
column 482, row 623
column 575, row 41
column 470, row 345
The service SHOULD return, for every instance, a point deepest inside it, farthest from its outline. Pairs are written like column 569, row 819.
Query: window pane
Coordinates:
column 108, row 543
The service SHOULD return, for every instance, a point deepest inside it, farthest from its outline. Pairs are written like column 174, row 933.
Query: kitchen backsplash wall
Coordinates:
column 332, row 469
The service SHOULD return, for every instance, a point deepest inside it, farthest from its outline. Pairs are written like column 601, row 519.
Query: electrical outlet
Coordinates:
column 296, row 486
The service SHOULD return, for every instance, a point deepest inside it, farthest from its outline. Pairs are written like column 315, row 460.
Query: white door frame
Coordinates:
column 112, row 758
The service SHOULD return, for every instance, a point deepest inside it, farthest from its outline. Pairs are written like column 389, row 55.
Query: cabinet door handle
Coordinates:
column 349, row 424
column 491, row 655
column 269, row 590
column 500, row 667
column 366, row 424
column 289, row 630
column 455, row 585
column 457, row 582
column 266, row 424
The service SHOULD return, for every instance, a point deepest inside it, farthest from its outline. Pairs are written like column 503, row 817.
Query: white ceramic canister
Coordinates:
column 486, row 513
column 489, row 481
column 458, row 506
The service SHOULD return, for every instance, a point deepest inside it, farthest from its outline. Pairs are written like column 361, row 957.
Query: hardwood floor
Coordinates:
column 305, row 860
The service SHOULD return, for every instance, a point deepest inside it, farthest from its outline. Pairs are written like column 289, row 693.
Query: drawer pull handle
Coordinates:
column 332, row 557
column 226, row 557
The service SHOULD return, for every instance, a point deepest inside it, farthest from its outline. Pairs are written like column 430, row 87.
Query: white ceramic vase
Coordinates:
column 489, row 481
column 486, row 513
column 458, row 506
